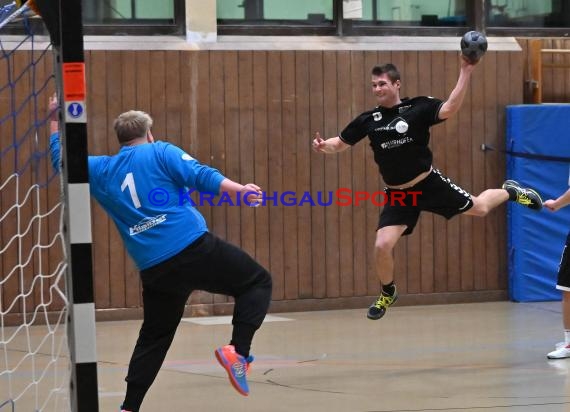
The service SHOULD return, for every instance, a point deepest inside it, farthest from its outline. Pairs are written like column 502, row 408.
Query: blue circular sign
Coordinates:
column 75, row 109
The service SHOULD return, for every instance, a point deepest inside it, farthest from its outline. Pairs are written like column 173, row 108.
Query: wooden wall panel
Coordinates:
column 425, row 70
column 261, row 146
column 114, row 104
column 292, row 229
column 330, row 181
column 253, row 114
column 411, row 84
column 297, row 255
column 477, row 185
column 301, row 283
column 345, row 213
column 317, row 167
column 277, row 93
column 357, row 175
column 372, row 177
column 438, row 144
column 556, row 80
column 246, row 160
column 296, row 97
column 98, row 132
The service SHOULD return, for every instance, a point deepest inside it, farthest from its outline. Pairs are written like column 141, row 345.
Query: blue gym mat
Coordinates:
column 535, row 240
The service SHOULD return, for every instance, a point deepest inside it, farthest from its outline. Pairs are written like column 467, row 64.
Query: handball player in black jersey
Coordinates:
column 399, row 130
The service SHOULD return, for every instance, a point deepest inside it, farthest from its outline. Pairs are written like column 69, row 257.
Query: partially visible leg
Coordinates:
column 566, row 313
column 226, row 269
column 563, row 283
column 563, row 351
column 251, row 307
column 525, row 196
column 566, row 317
column 216, row 266
column 252, row 294
column 162, row 314
column 386, row 239
column 487, row 201
column 565, row 320
column 220, row 267
column 511, row 190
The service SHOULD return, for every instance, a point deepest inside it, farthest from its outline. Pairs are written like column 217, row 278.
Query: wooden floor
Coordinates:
column 470, row 357
column 453, row 358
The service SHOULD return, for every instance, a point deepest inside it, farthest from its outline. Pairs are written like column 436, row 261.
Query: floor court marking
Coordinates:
column 227, row 320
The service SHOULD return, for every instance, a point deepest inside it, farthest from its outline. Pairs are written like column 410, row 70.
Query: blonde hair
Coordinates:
column 131, row 125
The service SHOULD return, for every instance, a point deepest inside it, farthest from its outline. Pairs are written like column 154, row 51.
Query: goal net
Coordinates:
column 34, row 354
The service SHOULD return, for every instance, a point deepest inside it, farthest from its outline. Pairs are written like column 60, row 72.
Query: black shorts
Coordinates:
column 563, row 282
column 436, row 194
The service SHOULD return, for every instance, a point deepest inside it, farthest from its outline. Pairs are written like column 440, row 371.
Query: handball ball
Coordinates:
column 473, row 46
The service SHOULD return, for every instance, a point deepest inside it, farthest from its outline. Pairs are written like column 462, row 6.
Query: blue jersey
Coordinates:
column 144, row 190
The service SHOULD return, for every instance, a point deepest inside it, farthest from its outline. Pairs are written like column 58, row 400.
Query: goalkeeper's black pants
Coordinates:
column 208, row 264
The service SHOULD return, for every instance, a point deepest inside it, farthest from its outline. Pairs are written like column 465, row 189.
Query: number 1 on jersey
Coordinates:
column 130, row 183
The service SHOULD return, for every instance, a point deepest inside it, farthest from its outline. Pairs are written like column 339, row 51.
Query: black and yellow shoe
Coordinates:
column 523, row 195
column 378, row 308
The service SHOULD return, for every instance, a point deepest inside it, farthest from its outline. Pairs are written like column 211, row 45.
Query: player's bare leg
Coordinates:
column 511, row 190
column 563, row 349
column 487, row 201
column 386, row 239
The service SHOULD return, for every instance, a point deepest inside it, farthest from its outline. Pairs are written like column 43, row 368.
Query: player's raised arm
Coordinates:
column 455, row 100
column 473, row 47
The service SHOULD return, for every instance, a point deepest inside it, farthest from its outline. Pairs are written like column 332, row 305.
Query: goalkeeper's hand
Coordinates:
column 53, row 113
column 53, row 107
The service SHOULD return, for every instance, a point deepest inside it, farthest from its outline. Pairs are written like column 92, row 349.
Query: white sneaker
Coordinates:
column 560, row 353
column 560, row 345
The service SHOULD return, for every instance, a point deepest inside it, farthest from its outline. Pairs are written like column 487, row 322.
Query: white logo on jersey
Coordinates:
column 377, row 116
column 390, row 144
column 398, row 124
column 146, row 223
column 402, row 126
column 186, row 156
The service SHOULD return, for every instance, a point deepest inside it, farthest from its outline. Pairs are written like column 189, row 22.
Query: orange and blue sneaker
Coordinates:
column 236, row 365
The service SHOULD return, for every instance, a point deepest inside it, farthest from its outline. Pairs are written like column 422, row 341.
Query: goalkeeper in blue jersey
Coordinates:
column 139, row 187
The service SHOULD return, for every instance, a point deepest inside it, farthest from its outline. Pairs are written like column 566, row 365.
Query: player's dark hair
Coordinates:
column 388, row 69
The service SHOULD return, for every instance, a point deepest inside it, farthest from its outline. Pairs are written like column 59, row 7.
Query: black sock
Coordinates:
column 512, row 193
column 389, row 289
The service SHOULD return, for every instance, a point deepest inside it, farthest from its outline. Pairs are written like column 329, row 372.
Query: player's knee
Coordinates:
column 267, row 280
column 263, row 289
column 264, row 280
column 482, row 211
column 479, row 208
column 383, row 246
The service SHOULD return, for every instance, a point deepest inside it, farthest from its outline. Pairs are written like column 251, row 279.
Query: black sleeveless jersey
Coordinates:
column 399, row 137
